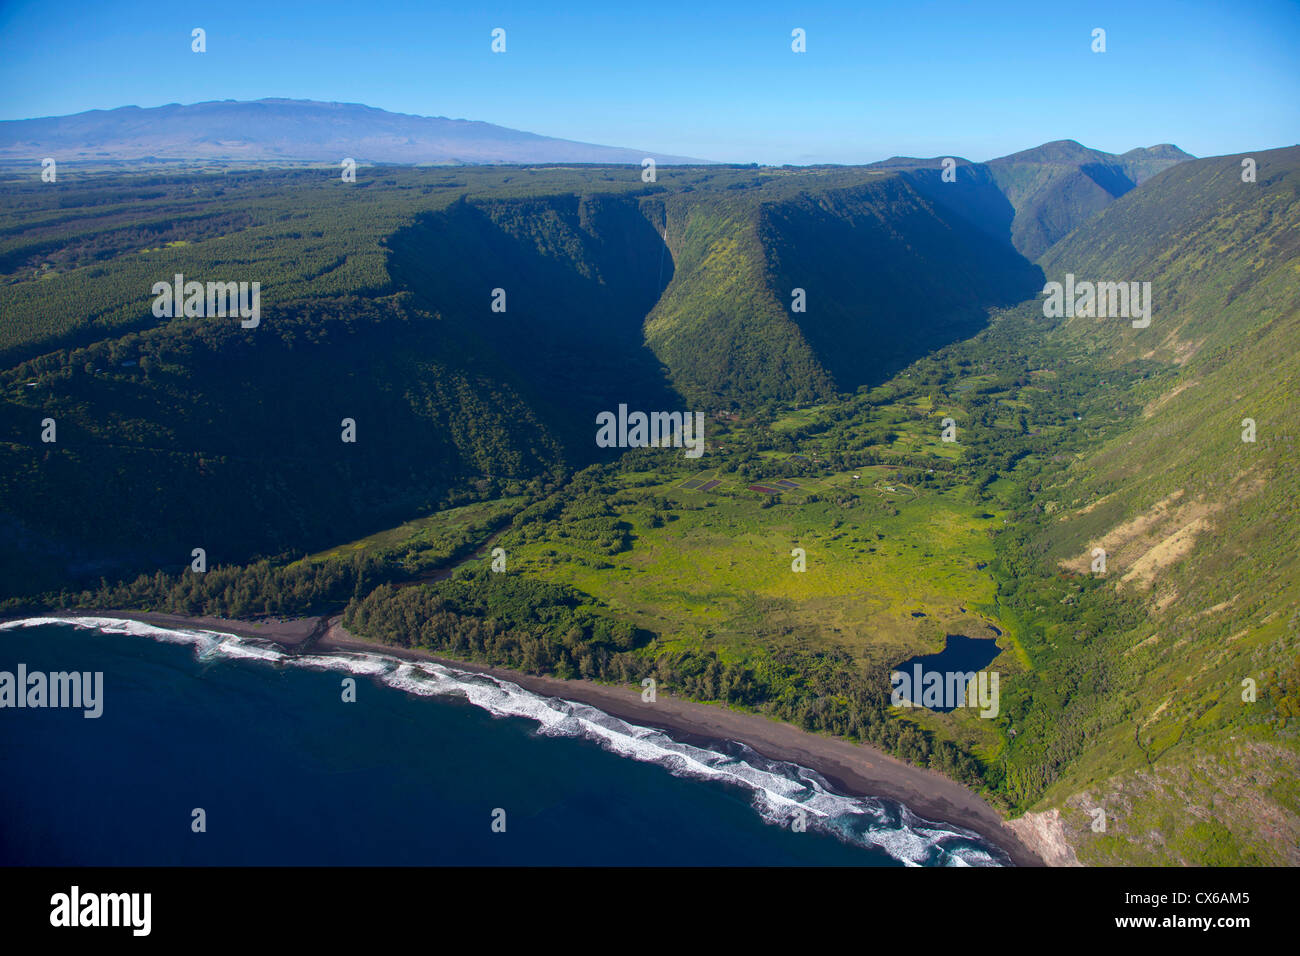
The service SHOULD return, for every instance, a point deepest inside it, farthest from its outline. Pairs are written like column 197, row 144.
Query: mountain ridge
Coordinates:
column 1037, row 196
column 277, row 128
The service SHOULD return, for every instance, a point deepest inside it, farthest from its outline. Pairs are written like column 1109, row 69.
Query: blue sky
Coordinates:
column 706, row 79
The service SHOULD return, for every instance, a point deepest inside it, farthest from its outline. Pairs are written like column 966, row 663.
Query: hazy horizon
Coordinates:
column 874, row 81
column 648, row 147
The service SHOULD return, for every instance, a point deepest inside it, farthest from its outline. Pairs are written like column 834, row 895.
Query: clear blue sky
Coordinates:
column 706, row 79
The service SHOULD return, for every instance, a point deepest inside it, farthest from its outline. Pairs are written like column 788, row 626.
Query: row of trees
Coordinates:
column 539, row 628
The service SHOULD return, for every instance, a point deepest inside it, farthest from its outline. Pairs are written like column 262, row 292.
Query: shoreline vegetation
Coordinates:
column 949, row 461
column 852, row 769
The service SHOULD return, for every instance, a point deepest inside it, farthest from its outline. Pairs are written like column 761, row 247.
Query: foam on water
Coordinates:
column 777, row 788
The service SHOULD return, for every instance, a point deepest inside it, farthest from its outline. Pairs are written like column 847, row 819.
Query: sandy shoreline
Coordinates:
column 854, row 769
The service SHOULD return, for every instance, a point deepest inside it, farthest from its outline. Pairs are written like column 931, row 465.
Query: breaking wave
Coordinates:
column 781, row 792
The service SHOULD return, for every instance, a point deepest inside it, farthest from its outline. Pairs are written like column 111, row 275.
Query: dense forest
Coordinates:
column 823, row 432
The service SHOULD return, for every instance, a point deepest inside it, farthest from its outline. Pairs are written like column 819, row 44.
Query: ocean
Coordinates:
column 428, row 766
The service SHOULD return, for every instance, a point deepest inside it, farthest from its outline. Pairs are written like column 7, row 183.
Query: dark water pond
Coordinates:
column 960, row 655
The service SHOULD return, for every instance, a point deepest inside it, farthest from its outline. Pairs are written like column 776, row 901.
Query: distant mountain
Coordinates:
column 1144, row 162
column 279, row 129
column 917, row 162
column 1037, row 196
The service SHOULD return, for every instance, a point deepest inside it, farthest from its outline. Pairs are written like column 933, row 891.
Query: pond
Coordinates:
column 960, row 655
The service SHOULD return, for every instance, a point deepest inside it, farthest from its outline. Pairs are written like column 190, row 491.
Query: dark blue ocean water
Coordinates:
column 289, row 774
